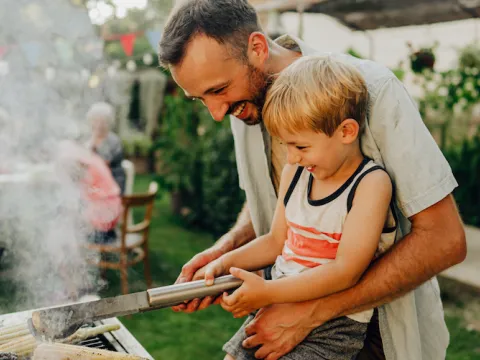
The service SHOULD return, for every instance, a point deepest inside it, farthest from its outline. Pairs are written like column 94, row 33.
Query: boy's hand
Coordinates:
column 215, row 269
column 252, row 295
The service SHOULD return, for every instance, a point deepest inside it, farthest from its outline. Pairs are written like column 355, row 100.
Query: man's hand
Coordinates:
column 277, row 329
column 252, row 295
column 192, row 270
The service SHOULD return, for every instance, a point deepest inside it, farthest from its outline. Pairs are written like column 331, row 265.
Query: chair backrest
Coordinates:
column 146, row 200
column 129, row 169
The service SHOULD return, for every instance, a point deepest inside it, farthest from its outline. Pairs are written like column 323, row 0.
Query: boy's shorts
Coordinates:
column 337, row 339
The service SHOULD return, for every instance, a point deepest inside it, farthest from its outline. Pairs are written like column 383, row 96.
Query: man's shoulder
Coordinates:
column 374, row 73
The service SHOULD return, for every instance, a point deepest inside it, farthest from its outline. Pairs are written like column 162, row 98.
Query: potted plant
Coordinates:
column 422, row 59
column 136, row 148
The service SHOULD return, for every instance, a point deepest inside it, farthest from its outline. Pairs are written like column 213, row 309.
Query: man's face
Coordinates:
column 225, row 85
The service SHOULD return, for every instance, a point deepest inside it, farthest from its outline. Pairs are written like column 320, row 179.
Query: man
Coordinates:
column 217, row 53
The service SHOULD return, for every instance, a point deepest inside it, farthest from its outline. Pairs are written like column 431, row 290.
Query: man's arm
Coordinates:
column 436, row 242
column 241, row 233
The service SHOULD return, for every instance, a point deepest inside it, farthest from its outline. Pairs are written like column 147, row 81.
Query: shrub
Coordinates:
column 465, row 163
column 198, row 164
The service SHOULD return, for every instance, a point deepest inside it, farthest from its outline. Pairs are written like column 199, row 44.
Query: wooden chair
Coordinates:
column 132, row 244
column 129, row 169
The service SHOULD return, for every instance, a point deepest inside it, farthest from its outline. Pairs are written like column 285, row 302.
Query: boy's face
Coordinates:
column 320, row 154
column 224, row 84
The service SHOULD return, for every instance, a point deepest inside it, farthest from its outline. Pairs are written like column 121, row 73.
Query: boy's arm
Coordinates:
column 360, row 237
column 264, row 250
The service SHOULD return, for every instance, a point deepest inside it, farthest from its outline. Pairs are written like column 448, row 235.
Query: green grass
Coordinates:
column 464, row 344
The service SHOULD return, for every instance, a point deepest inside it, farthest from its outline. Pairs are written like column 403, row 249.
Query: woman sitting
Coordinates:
column 104, row 142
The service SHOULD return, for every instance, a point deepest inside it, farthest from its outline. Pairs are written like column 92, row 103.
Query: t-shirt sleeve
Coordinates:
column 421, row 174
column 234, row 124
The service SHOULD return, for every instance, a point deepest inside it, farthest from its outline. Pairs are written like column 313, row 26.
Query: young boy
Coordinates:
column 334, row 212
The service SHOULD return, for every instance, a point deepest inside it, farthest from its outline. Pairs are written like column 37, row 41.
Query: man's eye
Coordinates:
column 301, row 147
column 218, row 91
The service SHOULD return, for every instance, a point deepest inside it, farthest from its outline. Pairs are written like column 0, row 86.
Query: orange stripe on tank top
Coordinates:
column 309, row 247
column 305, row 263
column 335, row 236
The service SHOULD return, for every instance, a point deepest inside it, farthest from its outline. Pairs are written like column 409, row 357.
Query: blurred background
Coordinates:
column 59, row 57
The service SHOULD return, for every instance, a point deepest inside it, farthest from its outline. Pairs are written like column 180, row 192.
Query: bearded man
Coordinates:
column 217, row 53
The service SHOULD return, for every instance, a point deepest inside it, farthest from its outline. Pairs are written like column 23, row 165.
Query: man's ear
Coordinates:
column 257, row 49
column 349, row 130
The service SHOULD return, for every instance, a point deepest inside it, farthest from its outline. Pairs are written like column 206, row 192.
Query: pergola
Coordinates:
column 365, row 15
column 373, row 14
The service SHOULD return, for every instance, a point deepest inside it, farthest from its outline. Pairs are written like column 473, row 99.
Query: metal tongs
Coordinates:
column 62, row 321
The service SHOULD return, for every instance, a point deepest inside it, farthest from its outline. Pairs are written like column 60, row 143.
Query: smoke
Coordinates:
column 42, row 227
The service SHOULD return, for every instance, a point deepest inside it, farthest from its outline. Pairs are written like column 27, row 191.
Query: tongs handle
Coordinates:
column 178, row 293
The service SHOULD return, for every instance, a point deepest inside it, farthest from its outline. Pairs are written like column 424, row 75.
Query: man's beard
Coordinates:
column 259, row 83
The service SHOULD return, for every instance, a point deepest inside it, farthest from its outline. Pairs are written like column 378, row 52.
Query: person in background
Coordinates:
column 104, row 142
column 100, row 193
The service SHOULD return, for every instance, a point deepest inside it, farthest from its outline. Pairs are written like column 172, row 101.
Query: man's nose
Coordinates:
column 293, row 158
column 217, row 109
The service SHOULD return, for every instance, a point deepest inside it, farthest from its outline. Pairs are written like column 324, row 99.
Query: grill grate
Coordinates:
column 98, row 342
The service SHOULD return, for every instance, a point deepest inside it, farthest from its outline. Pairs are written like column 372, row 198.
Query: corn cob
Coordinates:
column 8, row 333
column 57, row 351
column 85, row 333
column 25, row 344
column 21, row 346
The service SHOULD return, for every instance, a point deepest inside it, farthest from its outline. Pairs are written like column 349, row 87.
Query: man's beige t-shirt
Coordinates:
column 413, row 326
column 279, row 159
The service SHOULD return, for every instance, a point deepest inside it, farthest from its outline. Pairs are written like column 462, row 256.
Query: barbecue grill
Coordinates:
column 121, row 340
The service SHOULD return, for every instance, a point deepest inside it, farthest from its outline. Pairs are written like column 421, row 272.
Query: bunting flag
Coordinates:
column 3, row 51
column 153, row 37
column 32, row 52
column 128, row 42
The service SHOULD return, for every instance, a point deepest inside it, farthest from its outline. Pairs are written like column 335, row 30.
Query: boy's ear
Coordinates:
column 349, row 129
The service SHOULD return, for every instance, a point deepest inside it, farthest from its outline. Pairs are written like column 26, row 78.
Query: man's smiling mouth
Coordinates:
column 238, row 110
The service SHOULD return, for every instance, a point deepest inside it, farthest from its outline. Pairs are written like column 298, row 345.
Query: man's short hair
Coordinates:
column 315, row 93
column 230, row 22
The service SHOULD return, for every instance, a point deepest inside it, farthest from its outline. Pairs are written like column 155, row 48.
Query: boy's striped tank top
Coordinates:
column 315, row 226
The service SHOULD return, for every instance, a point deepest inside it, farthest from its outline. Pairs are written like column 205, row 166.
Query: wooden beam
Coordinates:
column 284, row 5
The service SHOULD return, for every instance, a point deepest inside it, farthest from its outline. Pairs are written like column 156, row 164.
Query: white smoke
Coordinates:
column 41, row 223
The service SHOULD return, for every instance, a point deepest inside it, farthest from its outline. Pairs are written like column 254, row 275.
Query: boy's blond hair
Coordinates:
column 315, row 93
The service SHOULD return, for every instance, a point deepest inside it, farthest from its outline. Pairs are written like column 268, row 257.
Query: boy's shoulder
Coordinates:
column 375, row 179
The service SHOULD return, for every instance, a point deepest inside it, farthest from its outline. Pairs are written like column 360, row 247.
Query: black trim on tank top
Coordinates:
column 337, row 192
column 294, row 182
column 351, row 195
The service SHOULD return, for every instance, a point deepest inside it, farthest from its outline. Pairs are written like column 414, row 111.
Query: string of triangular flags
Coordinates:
column 128, row 40
column 65, row 50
